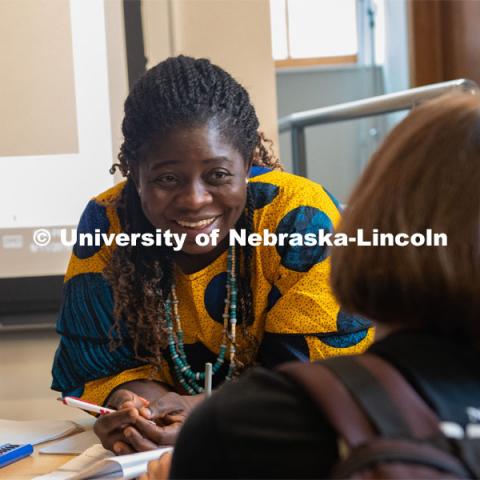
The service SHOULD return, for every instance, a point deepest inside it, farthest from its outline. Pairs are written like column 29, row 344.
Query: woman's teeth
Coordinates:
column 200, row 224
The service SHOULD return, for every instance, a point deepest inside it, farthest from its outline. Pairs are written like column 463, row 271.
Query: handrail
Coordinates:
column 392, row 102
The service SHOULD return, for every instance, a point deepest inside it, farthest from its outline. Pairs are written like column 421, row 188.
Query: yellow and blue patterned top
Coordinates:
column 296, row 316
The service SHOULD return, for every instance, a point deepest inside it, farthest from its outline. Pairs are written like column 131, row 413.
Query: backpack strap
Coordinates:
column 377, row 398
column 389, row 401
column 331, row 397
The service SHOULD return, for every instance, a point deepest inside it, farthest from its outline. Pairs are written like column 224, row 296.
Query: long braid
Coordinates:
column 245, row 287
column 179, row 92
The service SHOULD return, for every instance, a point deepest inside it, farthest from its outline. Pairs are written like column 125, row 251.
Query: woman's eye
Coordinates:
column 166, row 179
column 219, row 175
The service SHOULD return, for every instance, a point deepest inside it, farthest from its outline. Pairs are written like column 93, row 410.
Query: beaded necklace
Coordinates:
column 190, row 380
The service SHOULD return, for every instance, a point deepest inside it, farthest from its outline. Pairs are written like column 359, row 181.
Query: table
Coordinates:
column 36, row 464
column 42, row 463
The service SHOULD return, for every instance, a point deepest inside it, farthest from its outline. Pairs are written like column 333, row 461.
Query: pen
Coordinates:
column 89, row 407
column 208, row 379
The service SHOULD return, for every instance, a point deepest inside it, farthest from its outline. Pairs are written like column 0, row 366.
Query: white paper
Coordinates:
column 122, row 467
column 35, row 431
column 73, row 445
column 96, row 463
column 91, row 456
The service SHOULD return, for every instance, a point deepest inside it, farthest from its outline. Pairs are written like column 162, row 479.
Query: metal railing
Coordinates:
column 392, row 102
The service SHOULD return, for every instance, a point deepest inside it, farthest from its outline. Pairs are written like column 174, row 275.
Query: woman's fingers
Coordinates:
column 159, row 434
column 138, row 441
column 109, row 428
column 122, row 448
column 126, row 399
column 116, row 438
column 112, row 421
column 169, row 403
column 160, row 469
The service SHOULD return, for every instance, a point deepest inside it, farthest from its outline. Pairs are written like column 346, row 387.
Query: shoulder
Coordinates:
column 281, row 190
column 291, row 206
column 111, row 196
column 100, row 211
column 256, row 438
column 99, row 217
column 245, row 404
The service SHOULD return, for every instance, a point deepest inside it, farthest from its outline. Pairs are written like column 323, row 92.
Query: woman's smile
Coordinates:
column 197, row 224
column 194, row 228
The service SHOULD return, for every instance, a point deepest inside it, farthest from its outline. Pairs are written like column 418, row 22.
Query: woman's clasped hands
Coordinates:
column 140, row 424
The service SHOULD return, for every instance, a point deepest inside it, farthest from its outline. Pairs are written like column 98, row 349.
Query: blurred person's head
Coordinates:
column 426, row 175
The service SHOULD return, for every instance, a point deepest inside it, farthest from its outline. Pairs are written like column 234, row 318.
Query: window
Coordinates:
column 309, row 32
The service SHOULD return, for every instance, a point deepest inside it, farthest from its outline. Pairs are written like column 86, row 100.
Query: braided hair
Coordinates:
column 180, row 92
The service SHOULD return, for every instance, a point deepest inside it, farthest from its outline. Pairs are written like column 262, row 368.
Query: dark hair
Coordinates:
column 426, row 175
column 177, row 93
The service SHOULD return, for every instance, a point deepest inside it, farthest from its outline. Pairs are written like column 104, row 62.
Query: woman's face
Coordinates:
column 193, row 181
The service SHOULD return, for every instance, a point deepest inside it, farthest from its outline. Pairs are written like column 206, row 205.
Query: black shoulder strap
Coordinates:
column 377, row 400
column 389, row 401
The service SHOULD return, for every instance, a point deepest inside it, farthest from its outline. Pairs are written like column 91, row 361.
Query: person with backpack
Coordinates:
column 410, row 406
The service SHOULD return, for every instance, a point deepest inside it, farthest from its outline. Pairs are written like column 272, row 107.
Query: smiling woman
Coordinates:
column 138, row 323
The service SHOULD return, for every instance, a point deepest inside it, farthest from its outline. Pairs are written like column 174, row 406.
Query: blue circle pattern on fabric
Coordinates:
column 257, row 170
column 303, row 220
column 94, row 217
column 263, row 193
column 214, row 296
column 355, row 329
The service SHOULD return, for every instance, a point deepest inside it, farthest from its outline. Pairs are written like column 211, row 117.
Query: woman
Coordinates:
column 139, row 323
column 425, row 302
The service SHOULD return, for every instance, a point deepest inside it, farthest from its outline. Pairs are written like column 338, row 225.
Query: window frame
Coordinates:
column 336, row 60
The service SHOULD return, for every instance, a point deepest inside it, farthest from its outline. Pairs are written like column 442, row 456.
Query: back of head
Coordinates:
column 426, row 175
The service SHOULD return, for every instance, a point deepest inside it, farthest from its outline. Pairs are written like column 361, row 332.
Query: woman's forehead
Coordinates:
column 201, row 144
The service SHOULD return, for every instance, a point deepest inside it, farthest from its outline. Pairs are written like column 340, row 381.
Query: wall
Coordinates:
column 26, row 357
column 336, row 152
column 38, row 32
column 233, row 34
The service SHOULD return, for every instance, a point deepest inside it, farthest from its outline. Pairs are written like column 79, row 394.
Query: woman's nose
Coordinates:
column 194, row 196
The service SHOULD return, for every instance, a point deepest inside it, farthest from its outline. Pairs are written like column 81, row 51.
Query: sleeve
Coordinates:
column 85, row 364
column 304, row 321
column 237, row 433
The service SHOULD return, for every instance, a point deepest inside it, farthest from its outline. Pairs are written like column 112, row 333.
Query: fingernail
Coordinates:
column 146, row 412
